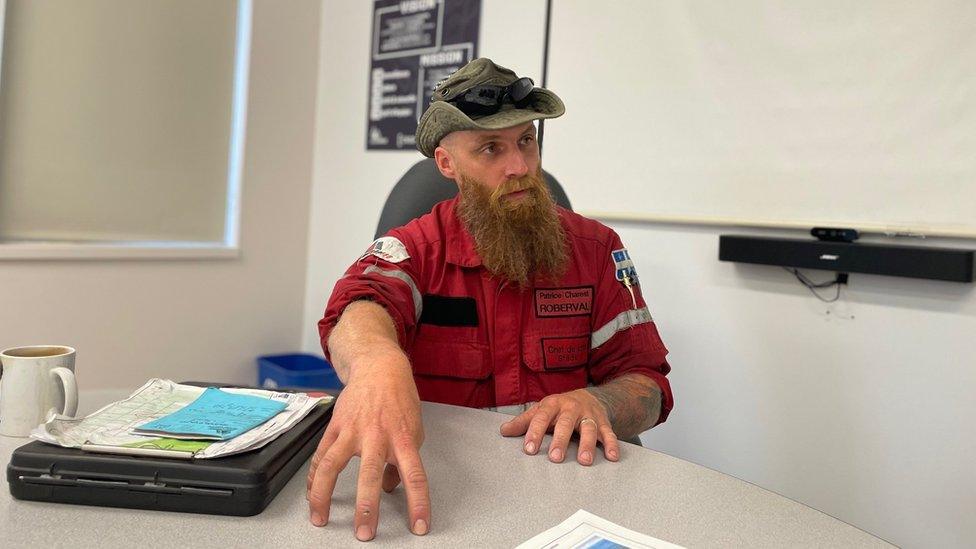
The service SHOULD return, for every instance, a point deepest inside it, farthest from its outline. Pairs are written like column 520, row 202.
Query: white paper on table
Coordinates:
column 112, row 425
column 585, row 530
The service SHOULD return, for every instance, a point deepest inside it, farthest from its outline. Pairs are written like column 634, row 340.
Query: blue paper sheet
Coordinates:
column 215, row 415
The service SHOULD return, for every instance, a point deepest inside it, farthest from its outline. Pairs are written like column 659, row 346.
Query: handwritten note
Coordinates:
column 215, row 415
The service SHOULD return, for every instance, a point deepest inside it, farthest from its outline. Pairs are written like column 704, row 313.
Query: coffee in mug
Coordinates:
column 34, row 382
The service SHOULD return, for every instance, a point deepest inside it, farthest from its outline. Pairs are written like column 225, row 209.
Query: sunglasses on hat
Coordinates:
column 488, row 99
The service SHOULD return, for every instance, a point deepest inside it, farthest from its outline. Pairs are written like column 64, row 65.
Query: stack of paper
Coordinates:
column 214, row 415
column 114, row 427
column 584, row 530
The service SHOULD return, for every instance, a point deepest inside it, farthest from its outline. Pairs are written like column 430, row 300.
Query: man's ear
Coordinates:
column 445, row 164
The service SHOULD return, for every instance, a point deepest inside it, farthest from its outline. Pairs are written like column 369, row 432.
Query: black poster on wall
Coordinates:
column 415, row 44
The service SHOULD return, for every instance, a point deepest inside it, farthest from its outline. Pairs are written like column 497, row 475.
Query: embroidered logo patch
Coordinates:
column 625, row 267
column 559, row 353
column 564, row 301
column 388, row 248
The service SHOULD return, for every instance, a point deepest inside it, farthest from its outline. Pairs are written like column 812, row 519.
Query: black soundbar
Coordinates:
column 851, row 257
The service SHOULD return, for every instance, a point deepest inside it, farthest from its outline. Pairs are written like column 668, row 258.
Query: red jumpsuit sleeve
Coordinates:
column 384, row 277
column 625, row 339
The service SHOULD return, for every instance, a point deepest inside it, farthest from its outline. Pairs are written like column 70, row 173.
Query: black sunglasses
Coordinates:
column 488, row 99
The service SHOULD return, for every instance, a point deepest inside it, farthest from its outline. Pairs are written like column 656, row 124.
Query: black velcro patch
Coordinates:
column 442, row 310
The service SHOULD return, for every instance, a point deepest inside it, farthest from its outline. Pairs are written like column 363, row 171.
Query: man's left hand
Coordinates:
column 563, row 414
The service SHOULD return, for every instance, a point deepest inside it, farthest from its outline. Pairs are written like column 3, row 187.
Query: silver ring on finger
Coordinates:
column 584, row 419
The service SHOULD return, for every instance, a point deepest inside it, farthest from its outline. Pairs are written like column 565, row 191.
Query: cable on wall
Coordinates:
column 814, row 286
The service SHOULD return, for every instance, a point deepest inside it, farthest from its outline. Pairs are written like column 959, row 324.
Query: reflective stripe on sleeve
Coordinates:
column 626, row 319
column 418, row 301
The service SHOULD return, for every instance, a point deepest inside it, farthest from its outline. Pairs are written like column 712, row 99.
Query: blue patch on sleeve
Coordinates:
column 624, row 265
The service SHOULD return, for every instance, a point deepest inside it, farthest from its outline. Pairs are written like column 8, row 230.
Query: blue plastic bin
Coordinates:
column 296, row 371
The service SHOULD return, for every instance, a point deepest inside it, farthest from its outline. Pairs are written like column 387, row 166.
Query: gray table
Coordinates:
column 485, row 493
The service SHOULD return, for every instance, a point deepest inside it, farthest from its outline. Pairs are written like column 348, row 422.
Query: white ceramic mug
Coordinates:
column 32, row 383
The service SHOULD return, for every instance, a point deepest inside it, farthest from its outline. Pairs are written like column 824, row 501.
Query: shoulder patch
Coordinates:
column 387, row 248
column 626, row 272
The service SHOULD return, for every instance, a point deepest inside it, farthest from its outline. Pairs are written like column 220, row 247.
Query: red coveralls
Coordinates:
column 474, row 340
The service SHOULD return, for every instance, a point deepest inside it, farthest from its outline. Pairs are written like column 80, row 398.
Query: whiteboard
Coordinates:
column 792, row 114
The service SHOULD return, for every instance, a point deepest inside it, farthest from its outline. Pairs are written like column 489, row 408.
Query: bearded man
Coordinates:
column 496, row 299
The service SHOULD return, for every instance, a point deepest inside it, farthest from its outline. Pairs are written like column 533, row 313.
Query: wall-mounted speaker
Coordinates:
column 851, row 257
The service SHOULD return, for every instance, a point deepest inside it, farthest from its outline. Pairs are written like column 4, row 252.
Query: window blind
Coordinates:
column 116, row 119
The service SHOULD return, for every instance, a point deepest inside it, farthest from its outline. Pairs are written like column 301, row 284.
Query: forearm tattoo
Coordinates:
column 633, row 403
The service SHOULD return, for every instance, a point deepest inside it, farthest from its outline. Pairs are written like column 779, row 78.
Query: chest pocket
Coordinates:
column 557, row 330
column 451, row 352
column 556, row 352
column 556, row 344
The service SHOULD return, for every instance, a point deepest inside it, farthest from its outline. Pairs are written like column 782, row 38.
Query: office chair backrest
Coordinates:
column 423, row 186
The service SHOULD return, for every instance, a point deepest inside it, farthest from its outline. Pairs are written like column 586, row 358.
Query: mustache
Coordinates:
column 527, row 182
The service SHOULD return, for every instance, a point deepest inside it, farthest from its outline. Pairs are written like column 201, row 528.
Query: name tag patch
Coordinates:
column 560, row 353
column 550, row 302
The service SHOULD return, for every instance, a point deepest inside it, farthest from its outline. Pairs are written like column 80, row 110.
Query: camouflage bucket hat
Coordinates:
column 443, row 117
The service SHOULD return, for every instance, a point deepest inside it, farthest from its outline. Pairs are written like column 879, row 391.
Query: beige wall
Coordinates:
column 198, row 319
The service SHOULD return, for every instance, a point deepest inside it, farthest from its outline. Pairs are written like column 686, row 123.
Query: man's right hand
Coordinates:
column 376, row 417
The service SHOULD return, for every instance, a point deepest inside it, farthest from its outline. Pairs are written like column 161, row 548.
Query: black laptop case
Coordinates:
column 242, row 484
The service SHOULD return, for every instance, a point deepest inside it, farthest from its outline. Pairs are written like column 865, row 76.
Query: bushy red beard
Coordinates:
column 516, row 239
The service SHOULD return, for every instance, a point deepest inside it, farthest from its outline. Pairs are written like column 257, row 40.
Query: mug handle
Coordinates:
column 67, row 378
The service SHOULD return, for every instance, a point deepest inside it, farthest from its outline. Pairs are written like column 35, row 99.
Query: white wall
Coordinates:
column 198, row 319
column 863, row 413
column 862, row 408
